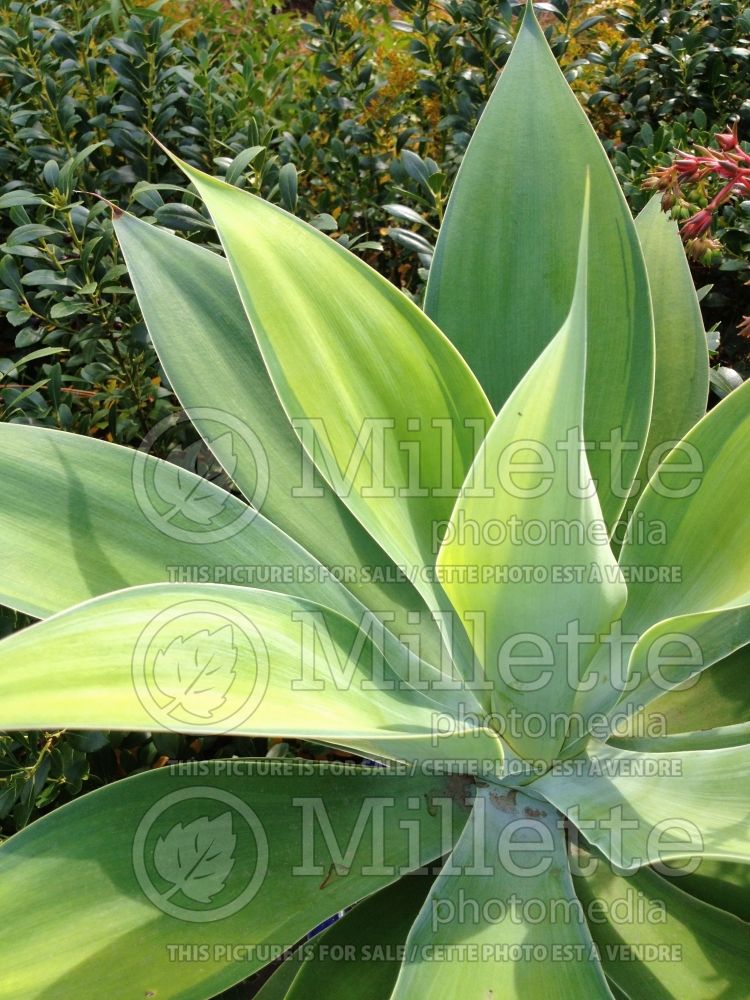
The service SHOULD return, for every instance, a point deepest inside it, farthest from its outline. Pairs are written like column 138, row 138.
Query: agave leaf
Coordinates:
column 686, row 560
column 696, row 494
column 382, row 401
column 615, row 990
column 723, row 884
column 111, row 516
column 719, row 696
column 656, row 941
column 370, row 936
column 101, row 848
column 199, row 328
column 473, row 917
column 681, row 350
column 277, row 985
column 215, row 659
column 703, row 739
column 625, row 676
column 504, row 269
column 638, row 808
column 692, row 642
column 83, row 517
column 528, row 619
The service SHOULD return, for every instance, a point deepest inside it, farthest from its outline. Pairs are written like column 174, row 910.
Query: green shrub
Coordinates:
column 678, row 74
column 78, row 104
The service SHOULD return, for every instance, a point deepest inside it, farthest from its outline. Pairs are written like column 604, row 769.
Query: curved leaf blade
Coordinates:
column 208, row 350
column 503, row 273
column 723, row 884
column 699, row 495
column 638, row 808
column 681, row 350
column 370, row 936
column 719, row 696
column 287, row 871
column 450, row 955
column 82, row 517
column 674, row 651
column 397, row 441
column 527, row 473
column 681, row 948
column 702, row 739
column 686, row 562
column 216, row 659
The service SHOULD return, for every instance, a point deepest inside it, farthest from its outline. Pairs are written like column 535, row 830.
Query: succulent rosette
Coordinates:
column 492, row 549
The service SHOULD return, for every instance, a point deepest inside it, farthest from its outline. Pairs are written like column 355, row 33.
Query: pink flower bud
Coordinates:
column 728, row 140
column 687, row 164
column 697, row 224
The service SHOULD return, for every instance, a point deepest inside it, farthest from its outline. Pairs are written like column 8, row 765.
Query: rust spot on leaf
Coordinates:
column 534, row 813
column 458, row 787
column 333, row 872
column 505, row 802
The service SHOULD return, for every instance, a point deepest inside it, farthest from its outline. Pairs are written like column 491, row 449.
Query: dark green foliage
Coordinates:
column 679, row 75
column 676, row 58
column 76, row 108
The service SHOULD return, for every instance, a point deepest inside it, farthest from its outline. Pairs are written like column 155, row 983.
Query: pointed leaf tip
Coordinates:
column 504, row 269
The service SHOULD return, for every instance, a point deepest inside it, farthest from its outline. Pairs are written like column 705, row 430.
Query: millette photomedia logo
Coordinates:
column 200, row 665
column 200, row 854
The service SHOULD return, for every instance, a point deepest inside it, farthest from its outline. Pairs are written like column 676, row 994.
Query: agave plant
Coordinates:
column 491, row 549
